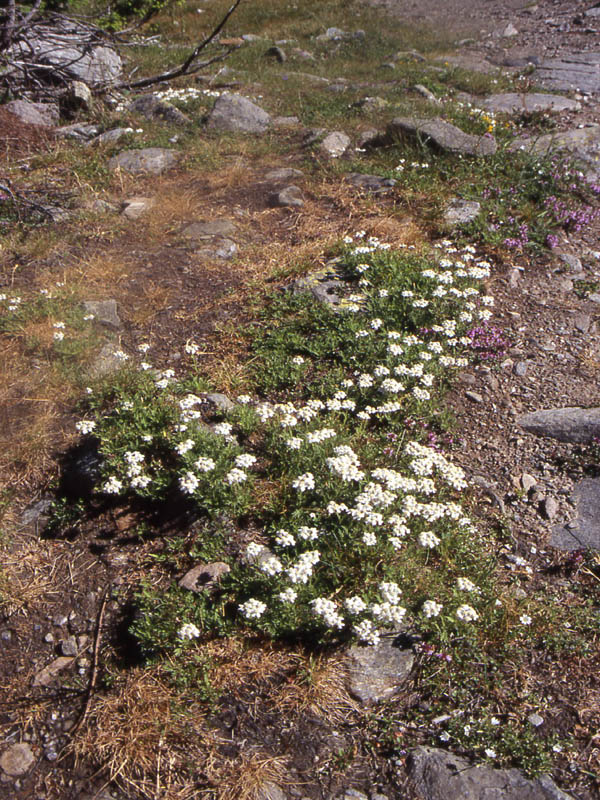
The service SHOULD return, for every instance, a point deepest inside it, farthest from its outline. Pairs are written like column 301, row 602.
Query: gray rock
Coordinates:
column 225, row 250
column 68, row 647
column 376, row 673
column 338, row 35
column 277, row 53
column 594, row 297
column 83, row 132
column 45, row 114
column 354, row 794
column 49, row 638
column 220, row 401
column 285, row 122
column 36, row 513
column 461, row 212
column 334, row 144
column 441, row 135
column 573, row 262
column 549, row 508
column 307, row 76
column 208, row 230
column 324, row 284
column 371, row 104
column 409, row 55
column 68, row 50
column 152, row 160
column 426, row 93
column 232, row 112
column 439, row 775
column 474, row 397
column 290, row 197
column 509, row 31
column 105, row 362
column 584, row 531
column 104, row 311
column 283, row 174
column 78, row 97
column 593, row 12
column 371, row 183
column 520, row 369
column 571, row 72
column 535, row 720
column 578, row 425
column 514, row 103
column 204, row 577
column 110, row 137
column 528, row 482
column 17, row 760
column 134, row 207
column 47, row 675
column 582, row 322
column 152, row 107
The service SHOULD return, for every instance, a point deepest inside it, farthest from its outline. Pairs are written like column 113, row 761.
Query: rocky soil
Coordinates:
column 522, row 465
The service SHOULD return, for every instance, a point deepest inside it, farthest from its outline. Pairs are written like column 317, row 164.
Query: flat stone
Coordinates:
column 441, row 135
column 68, row 646
column 426, row 93
column 573, row 262
column 104, row 311
column 577, row 425
column 286, row 122
column 509, row 31
column 593, row 12
column 335, row 144
column 134, row 207
column 474, row 397
column 225, row 249
column 370, row 183
column 81, row 131
column 582, row 322
column 515, row 103
column 584, row 531
column 535, row 720
column 549, row 508
column 290, row 197
column 371, row 104
column 570, row 72
column 105, row 362
column 210, row 229
column 283, row 174
column 47, row 675
column 235, row 113
column 324, row 284
column 528, row 482
column 110, row 137
column 151, row 160
column 35, row 513
column 17, row 760
column 204, row 577
column 220, row 401
column 377, row 672
column 44, row 114
column 152, row 107
column 461, row 212
column 439, row 775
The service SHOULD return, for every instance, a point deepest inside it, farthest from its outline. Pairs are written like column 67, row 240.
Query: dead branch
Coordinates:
column 20, row 200
column 188, row 67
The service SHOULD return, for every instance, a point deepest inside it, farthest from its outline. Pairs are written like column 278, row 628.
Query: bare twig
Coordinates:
column 188, row 66
column 94, row 675
column 19, row 200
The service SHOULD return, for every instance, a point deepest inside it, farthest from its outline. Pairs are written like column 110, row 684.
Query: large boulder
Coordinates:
column 67, row 51
column 232, row 112
column 439, row 775
column 577, row 425
column 441, row 135
column 45, row 114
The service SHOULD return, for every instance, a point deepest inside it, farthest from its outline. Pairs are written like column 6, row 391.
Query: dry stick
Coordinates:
column 94, row 675
column 188, row 64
